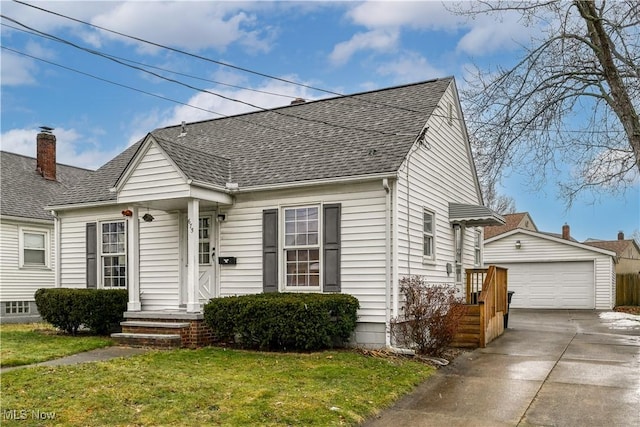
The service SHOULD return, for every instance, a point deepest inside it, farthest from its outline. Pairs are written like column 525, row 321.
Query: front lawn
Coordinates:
column 23, row 344
column 214, row 386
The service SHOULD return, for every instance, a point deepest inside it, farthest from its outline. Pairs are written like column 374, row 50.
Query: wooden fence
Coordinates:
column 628, row 289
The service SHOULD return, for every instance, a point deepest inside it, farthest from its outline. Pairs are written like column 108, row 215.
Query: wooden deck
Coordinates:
column 487, row 304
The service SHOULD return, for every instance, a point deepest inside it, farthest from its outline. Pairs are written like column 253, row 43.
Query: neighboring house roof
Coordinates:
column 512, row 221
column 617, row 246
column 550, row 237
column 347, row 136
column 25, row 193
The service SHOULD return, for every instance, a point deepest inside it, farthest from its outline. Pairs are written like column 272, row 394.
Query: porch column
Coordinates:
column 193, row 216
column 133, row 257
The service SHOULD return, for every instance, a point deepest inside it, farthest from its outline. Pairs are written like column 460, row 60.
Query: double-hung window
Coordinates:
column 428, row 235
column 113, row 239
column 302, row 246
column 33, row 248
column 477, row 248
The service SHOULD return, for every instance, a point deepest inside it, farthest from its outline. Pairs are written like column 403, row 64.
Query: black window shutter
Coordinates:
column 92, row 255
column 331, row 247
column 270, row 250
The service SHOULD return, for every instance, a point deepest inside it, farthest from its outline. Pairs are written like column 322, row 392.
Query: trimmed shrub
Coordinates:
column 431, row 316
column 100, row 310
column 283, row 321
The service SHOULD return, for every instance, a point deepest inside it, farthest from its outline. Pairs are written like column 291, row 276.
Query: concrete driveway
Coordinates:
column 550, row 368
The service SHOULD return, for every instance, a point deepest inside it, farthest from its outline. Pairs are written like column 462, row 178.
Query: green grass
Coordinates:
column 214, row 386
column 23, row 344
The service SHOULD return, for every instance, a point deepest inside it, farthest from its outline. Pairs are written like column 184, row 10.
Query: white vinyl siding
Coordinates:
column 437, row 172
column 155, row 176
column 362, row 250
column 18, row 283
column 538, row 249
column 160, row 261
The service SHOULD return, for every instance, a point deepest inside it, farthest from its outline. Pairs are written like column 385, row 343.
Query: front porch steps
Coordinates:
column 163, row 329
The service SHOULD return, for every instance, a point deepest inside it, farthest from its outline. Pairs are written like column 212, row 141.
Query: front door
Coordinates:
column 206, row 259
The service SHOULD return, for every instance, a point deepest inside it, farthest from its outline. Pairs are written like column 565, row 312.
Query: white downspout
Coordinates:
column 395, row 265
column 387, row 261
column 56, row 247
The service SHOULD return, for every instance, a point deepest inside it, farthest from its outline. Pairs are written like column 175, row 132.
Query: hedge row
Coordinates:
column 283, row 321
column 100, row 310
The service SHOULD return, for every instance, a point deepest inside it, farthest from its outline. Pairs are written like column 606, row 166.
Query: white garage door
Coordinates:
column 551, row 285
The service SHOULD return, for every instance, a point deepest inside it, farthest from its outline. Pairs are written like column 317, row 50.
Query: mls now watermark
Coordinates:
column 27, row 414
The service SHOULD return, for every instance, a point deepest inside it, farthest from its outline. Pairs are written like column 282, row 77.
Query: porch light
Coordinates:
column 222, row 217
column 147, row 217
column 518, row 244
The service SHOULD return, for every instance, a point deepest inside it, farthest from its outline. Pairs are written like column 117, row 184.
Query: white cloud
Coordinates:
column 410, row 67
column 377, row 40
column 430, row 15
column 17, row 70
column 490, row 35
column 72, row 147
column 189, row 25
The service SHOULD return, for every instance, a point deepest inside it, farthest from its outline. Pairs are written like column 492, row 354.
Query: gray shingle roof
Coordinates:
column 24, row 193
column 366, row 133
column 474, row 215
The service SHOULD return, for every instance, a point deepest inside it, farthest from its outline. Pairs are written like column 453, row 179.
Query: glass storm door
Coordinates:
column 206, row 258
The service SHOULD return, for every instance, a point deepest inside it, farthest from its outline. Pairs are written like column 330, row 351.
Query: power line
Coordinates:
column 236, row 117
column 246, row 70
column 160, row 68
column 100, row 54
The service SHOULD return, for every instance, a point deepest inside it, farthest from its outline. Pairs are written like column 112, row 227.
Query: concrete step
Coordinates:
column 151, row 324
column 147, row 340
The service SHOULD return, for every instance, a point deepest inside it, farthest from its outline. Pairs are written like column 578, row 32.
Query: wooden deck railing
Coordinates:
column 488, row 289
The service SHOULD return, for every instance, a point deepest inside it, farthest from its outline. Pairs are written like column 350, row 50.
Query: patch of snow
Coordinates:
column 620, row 320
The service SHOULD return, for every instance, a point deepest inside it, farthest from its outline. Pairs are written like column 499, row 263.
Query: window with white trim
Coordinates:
column 113, row 254
column 477, row 248
column 34, row 246
column 302, row 246
column 428, row 235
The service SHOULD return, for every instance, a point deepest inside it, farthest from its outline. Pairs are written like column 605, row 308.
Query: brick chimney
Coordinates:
column 566, row 232
column 46, row 157
column 620, row 235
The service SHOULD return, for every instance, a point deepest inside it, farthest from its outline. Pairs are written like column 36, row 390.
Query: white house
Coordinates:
column 27, row 237
column 346, row 194
column 554, row 271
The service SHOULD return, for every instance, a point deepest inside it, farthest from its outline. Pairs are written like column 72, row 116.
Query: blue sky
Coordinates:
column 342, row 47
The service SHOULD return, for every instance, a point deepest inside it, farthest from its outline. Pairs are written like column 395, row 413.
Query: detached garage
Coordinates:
column 546, row 271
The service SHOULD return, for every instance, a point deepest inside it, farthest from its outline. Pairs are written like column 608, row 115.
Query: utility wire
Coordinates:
column 236, row 117
column 275, row 111
column 246, row 70
column 120, row 60
column 160, row 68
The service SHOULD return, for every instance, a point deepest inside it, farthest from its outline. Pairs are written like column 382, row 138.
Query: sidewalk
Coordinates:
column 99, row 354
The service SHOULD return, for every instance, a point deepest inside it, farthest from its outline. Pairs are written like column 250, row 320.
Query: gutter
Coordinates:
column 344, row 180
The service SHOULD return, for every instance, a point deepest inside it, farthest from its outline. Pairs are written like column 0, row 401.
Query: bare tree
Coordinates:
column 499, row 203
column 569, row 107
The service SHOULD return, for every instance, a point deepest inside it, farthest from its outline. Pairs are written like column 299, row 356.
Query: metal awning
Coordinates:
column 473, row 215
